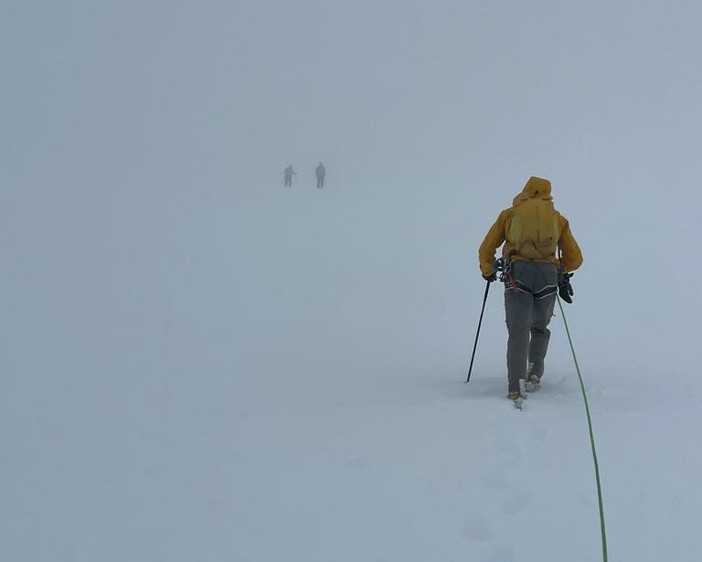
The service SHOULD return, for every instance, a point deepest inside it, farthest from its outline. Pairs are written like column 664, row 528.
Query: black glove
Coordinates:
column 490, row 278
column 565, row 289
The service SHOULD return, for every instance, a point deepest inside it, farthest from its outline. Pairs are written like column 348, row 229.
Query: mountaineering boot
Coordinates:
column 517, row 399
column 518, row 396
column 532, row 383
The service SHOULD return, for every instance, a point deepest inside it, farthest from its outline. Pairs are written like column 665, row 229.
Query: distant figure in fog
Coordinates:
column 288, row 173
column 320, row 172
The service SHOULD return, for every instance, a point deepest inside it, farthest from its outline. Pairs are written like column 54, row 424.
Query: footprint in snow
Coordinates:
column 509, row 453
column 515, row 503
column 358, row 463
column 495, row 480
column 499, row 553
column 477, row 529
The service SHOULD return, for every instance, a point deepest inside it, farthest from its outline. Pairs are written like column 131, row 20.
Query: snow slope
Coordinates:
column 277, row 374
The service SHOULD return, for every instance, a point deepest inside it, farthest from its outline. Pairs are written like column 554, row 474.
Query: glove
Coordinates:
column 565, row 289
column 490, row 278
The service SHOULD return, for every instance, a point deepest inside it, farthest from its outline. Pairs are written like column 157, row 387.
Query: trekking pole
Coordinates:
column 475, row 345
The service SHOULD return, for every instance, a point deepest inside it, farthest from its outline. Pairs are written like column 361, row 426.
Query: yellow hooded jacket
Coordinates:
column 570, row 257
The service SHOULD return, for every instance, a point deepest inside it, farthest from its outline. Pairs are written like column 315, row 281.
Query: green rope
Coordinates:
column 603, row 530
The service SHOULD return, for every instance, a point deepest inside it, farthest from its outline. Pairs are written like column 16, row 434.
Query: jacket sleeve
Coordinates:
column 570, row 255
column 493, row 240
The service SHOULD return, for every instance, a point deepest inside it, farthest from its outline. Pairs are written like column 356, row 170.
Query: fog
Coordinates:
column 385, row 92
column 159, row 283
column 120, row 121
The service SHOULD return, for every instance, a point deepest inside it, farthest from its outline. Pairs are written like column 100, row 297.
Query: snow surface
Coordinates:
column 199, row 364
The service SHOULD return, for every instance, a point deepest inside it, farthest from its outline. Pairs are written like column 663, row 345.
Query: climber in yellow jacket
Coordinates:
column 539, row 253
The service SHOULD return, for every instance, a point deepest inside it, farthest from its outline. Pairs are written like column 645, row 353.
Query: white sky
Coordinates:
column 380, row 90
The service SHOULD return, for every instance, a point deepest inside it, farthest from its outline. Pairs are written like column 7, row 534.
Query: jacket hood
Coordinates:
column 534, row 187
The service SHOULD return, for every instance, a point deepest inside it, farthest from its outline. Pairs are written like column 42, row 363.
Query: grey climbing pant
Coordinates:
column 530, row 295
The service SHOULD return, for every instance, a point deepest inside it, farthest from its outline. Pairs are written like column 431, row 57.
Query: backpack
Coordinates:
column 533, row 229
